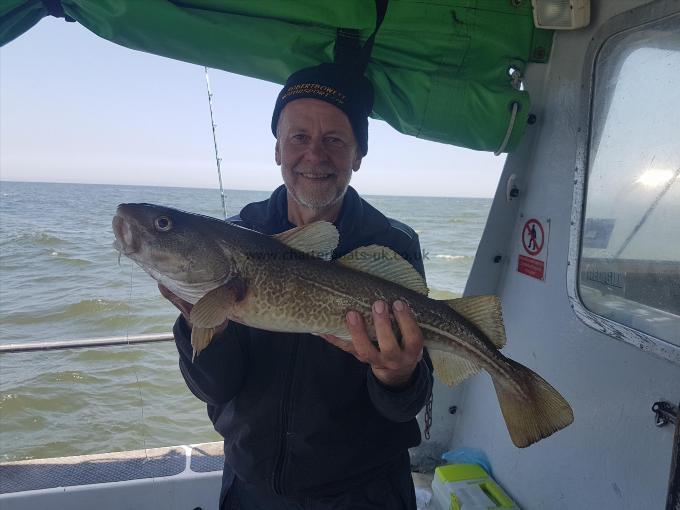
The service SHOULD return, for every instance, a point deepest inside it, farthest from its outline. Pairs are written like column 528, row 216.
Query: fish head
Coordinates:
column 181, row 250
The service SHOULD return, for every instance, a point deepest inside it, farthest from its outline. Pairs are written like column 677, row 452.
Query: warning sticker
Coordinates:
column 533, row 255
column 531, row 267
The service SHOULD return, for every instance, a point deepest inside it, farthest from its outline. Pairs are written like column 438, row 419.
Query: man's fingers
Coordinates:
column 410, row 332
column 165, row 292
column 390, row 351
column 183, row 306
column 340, row 343
column 362, row 344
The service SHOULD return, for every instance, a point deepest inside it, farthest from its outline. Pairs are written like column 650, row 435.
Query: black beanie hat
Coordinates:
column 338, row 85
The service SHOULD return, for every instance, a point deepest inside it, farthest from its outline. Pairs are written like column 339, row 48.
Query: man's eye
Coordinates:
column 331, row 140
column 300, row 138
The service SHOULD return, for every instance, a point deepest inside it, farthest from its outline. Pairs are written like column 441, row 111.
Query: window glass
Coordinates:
column 630, row 252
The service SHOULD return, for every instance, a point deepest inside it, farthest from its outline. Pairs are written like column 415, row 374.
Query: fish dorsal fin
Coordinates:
column 317, row 239
column 485, row 313
column 384, row 263
column 450, row 368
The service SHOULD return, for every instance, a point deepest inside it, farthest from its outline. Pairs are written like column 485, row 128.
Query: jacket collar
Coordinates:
column 357, row 223
column 268, row 216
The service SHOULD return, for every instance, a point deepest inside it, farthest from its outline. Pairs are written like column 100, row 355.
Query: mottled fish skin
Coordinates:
column 301, row 294
column 289, row 291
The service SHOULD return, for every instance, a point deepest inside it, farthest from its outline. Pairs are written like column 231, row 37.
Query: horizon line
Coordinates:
column 217, row 189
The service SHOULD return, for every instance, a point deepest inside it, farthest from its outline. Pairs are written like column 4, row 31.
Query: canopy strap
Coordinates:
column 511, row 125
column 348, row 50
column 54, row 8
column 347, row 46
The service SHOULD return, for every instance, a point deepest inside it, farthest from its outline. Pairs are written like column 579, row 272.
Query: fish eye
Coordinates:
column 162, row 223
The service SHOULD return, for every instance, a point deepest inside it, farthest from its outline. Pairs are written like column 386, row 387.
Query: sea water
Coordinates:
column 60, row 279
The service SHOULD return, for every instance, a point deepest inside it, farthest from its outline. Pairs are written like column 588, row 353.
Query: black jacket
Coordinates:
column 299, row 416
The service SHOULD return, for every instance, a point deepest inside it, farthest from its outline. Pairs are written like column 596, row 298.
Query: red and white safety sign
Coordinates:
column 533, row 253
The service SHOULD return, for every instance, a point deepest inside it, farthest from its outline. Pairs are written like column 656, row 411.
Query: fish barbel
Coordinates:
column 287, row 283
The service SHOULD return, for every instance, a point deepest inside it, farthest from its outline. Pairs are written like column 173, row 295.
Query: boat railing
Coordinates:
column 109, row 341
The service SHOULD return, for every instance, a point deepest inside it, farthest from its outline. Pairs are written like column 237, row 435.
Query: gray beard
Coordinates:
column 317, row 204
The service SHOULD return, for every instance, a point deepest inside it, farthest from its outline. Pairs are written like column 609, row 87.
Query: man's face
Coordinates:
column 317, row 152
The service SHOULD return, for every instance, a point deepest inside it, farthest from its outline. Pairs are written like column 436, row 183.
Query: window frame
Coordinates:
column 632, row 19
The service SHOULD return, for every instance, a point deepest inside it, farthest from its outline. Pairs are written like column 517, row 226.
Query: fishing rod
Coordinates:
column 218, row 160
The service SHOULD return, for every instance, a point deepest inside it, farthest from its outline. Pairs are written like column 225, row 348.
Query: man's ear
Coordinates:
column 277, row 153
column 356, row 164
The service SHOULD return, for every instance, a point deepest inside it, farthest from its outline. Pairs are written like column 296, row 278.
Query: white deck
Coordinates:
column 174, row 478
column 178, row 477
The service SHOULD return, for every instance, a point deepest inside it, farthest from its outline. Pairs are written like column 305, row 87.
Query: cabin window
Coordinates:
column 629, row 268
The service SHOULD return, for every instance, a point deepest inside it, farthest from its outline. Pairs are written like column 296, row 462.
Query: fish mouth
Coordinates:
column 126, row 242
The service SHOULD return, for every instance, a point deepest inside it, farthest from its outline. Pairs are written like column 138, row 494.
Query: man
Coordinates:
column 307, row 425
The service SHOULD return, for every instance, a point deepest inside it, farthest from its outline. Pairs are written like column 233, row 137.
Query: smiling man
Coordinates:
column 316, row 150
column 312, row 423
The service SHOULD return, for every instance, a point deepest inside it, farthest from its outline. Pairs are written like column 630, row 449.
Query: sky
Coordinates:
column 77, row 108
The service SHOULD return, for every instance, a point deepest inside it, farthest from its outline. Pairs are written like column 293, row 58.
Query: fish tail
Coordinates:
column 534, row 413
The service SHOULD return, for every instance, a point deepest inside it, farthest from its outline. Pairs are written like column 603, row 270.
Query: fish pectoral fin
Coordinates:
column 200, row 338
column 536, row 413
column 386, row 264
column 450, row 368
column 317, row 239
column 485, row 313
column 211, row 310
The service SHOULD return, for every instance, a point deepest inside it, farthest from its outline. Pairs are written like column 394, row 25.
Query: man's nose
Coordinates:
column 316, row 152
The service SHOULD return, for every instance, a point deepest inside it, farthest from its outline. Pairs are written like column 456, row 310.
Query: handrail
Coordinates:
column 86, row 342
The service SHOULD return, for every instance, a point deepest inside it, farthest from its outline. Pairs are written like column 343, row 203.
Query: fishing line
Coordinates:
column 139, row 385
column 134, row 368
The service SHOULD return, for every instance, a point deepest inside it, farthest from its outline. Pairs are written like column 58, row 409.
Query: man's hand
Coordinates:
column 183, row 306
column 392, row 364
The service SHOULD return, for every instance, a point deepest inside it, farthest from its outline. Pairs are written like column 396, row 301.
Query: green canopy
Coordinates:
column 439, row 67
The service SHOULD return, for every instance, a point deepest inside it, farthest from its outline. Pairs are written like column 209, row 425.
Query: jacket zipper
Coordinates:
column 277, row 478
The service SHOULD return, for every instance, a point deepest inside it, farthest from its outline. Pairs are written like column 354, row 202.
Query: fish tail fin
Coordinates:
column 535, row 412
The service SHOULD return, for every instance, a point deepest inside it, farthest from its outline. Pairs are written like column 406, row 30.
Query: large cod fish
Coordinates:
column 287, row 283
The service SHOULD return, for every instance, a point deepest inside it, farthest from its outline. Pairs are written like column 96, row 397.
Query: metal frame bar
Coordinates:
column 630, row 19
column 673, row 497
column 86, row 343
